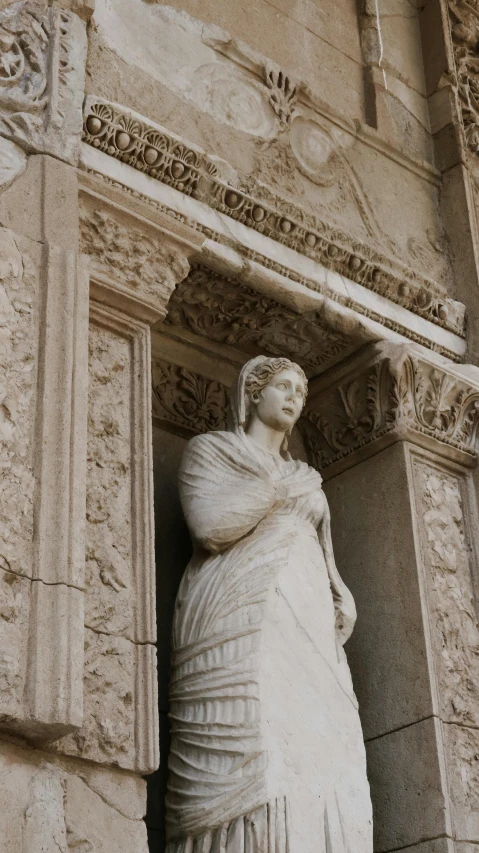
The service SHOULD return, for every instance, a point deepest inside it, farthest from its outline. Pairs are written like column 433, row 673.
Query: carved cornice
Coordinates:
column 393, row 395
column 464, row 17
column 156, row 152
column 222, row 310
column 90, row 176
column 185, row 401
column 43, row 52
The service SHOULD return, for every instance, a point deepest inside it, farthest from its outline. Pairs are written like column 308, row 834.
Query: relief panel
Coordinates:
column 446, row 553
column 120, row 717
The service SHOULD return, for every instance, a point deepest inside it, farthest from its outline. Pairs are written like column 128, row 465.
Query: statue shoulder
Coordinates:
column 210, row 443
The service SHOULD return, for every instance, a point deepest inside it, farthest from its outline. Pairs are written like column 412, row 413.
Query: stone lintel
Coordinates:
column 388, row 393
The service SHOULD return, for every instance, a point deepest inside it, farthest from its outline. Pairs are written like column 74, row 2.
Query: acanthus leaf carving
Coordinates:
column 400, row 393
column 187, row 400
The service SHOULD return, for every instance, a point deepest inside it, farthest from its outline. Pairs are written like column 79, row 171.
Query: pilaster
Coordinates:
column 395, row 435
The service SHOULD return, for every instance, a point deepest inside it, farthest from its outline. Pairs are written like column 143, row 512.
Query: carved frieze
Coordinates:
column 397, row 394
column 465, row 35
column 42, row 63
column 156, row 152
column 186, row 400
column 222, row 310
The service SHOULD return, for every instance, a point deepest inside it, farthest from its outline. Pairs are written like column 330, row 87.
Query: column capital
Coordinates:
column 392, row 392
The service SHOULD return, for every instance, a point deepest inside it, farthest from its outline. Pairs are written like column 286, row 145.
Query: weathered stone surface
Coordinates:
column 462, row 752
column 409, row 803
column 18, row 333
column 14, row 609
column 138, row 259
column 46, row 808
column 446, row 553
column 110, row 594
column 43, row 53
column 13, row 162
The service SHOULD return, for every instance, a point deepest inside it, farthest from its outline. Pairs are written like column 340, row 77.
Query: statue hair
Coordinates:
column 261, row 374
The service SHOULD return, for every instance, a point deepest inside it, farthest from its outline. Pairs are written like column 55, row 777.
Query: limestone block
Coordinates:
column 44, row 53
column 462, row 753
column 94, row 827
column 401, row 38
column 135, row 31
column 48, row 807
column 405, row 774
column 388, row 650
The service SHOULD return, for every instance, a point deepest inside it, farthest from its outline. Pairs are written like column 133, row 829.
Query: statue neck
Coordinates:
column 264, row 436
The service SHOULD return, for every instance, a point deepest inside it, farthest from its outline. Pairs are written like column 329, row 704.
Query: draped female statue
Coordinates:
column 267, row 754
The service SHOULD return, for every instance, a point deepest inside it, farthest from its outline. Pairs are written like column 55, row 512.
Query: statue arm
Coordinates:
column 344, row 605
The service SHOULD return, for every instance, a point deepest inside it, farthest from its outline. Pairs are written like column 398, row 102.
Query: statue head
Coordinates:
column 271, row 389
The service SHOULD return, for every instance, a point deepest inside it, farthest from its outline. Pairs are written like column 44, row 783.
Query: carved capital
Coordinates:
column 391, row 393
column 42, row 68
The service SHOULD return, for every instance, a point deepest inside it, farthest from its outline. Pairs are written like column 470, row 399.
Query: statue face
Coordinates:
column 279, row 404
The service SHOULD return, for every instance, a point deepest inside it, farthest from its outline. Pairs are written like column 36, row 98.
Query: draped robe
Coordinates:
column 266, row 751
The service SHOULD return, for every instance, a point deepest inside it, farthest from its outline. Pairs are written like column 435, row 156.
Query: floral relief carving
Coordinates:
column 154, row 151
column 42, row 58
column 109, row 600
column 187, row 400
column 465, row 35
column 400, row 393
column 453, row 619
column 220, row 309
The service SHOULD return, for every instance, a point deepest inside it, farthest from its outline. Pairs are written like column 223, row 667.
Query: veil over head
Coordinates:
column 240, row 404
column 239, row 409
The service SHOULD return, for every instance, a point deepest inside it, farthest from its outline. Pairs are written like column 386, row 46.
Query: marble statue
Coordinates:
column 267, row 754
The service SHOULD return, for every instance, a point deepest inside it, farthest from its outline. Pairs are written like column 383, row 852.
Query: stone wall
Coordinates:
column 243, row 178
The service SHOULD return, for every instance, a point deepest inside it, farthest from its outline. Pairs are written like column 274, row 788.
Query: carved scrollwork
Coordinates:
column 186, row 400
column 157, row 153
column 224, row 311
column 400, row 393
column 42, row 55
